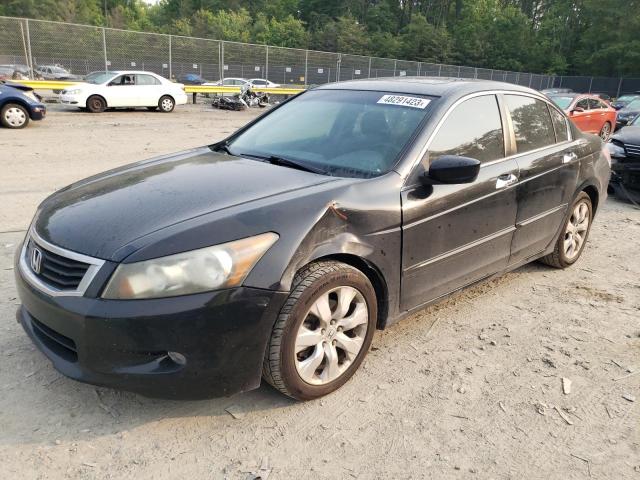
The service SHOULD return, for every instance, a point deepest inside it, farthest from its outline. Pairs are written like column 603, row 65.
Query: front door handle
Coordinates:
column 506, row 180
column 569, row 157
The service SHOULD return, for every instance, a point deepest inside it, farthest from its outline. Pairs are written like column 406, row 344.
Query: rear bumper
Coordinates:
column 220, row 338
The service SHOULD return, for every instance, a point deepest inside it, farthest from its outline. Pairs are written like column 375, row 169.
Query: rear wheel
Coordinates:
column 166, row 104
column 14, row 116
column 574, row 235
column 605, row 131
column 96, row 104
column 323, row 331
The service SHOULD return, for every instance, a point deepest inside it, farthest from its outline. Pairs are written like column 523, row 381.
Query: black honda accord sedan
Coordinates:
column 278, row 252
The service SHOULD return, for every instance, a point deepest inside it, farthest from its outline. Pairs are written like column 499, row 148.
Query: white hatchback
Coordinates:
column 102, row 90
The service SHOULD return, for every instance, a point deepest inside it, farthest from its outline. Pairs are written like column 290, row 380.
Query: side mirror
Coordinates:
column 453, row 169
column 577, row 110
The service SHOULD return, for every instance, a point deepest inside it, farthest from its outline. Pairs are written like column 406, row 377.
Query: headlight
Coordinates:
column 221, row 266
column 615, row 150
column 32, row 96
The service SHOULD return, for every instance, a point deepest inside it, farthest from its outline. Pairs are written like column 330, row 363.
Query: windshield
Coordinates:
column 340, row 132
column 562, row 102
column 635, row 105
column 99, row 77
column 636, row 122
column 58, row 70
column 627, row 98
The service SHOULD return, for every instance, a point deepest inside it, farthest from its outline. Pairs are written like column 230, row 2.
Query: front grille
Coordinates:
column 61, row 345
column 632, row 150
column 55, row 270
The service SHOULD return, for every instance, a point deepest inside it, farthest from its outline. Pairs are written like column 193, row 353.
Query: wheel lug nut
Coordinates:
column 323, row 331
column 333, row 322
column 339, row 329
column 333, row 342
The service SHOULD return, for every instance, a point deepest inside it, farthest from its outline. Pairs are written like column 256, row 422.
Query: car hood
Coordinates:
column 627, row 113
column 104, row 213
column 628, row 135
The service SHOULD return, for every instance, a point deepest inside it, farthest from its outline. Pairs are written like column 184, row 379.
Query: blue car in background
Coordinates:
column 19, row 104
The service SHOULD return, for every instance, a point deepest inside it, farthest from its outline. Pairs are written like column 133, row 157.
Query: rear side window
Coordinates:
column 531, row 122
column 559, row 125
column 473, row 129
column 146, row 80
column 583, row 104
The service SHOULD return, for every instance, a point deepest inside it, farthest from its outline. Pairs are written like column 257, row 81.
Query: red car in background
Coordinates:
column 589, row 112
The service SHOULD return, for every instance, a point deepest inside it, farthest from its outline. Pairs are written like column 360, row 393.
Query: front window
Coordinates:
column 473, row 129
column 531, row 122
column 340, row 132
column 563, row 102
column 58, row 70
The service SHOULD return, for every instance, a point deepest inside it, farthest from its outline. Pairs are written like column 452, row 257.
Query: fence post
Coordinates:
column 306, row 65
column 170, row 60
column 395, row 64
column 338, row 67
column 619, row 87
column 440, row 70
column 459, row 70
column 475, row 72
column 369, row 74
column 590, row 84
column 104, row 50
column 419, row 68
column 266, row 63
column 24, row 46
column 30, row 59
column 221, row 61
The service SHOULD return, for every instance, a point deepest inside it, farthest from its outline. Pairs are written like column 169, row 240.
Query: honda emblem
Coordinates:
column 36, row 259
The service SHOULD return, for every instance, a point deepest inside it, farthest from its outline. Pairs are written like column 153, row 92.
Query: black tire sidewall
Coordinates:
column 582, row 197
column 295, row 385
column 13, row 105
column 103, row 104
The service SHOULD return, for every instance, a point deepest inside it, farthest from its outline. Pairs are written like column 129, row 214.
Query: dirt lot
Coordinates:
column 469, row 388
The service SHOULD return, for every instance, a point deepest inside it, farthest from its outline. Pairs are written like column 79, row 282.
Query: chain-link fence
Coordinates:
column 54, row 50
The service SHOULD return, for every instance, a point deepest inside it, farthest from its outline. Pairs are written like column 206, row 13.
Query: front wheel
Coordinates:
column 323, row 331
column 605, row 131
column 14, row 116
column 96, row 104
column 574, row 234
column 166, row 104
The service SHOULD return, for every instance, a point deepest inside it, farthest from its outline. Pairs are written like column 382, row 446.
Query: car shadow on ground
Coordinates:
column 92, row 412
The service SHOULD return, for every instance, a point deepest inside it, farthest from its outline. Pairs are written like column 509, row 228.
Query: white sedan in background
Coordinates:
column 102, row 90
column 258, row 83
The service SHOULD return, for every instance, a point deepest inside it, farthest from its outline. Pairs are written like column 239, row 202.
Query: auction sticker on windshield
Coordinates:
column 414, row 102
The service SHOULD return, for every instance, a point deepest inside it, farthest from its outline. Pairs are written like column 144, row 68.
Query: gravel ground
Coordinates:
column 468, row 388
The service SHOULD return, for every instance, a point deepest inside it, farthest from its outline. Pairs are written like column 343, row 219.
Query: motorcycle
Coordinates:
column 240, row 101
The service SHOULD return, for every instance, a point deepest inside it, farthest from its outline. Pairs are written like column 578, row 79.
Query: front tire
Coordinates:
column 574, row 234
column 96, row 104
column 14, row 116
column 323, row 331
column 166, row 104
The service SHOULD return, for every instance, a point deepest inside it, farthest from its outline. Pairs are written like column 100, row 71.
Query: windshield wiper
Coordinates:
column 286, row 162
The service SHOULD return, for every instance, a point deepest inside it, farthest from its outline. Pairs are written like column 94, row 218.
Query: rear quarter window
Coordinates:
column 559, row 125
column 531, row 121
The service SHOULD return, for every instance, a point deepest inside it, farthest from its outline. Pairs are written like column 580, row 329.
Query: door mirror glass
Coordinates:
column 453, row 169
column 577, row 110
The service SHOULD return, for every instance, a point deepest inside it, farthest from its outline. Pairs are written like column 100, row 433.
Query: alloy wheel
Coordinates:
column 576, row 231
column 605, row 132
column 15, row 117
column 167, row 104
column 331, row 335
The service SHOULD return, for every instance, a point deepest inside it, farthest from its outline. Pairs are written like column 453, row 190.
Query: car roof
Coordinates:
column 431, row 86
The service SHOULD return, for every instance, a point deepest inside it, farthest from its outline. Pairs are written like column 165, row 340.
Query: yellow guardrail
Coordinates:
column 60, row 85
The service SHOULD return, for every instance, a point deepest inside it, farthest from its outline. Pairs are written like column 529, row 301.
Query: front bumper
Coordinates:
column 626, row 172
column 72, row 100
column 37, row 111
column 220, row 338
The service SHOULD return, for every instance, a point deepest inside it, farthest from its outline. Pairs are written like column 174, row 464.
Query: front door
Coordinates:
column 122, row 92
column 581, row 115
column 454, row 235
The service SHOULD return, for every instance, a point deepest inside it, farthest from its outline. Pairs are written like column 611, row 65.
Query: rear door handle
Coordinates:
column 506, row 180
column 569, row 157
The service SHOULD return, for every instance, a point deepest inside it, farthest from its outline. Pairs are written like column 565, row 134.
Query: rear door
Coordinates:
column 454, row 235
column 148, row 89
column 548, row 161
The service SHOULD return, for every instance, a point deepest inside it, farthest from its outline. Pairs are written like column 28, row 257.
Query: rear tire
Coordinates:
column 605, row 131
column 166, row 104
column 575, row 232
column 14, row 116
column 323, row 331
column 96, row 104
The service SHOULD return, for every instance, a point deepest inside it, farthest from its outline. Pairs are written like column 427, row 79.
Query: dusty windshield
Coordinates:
column 338, row 132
